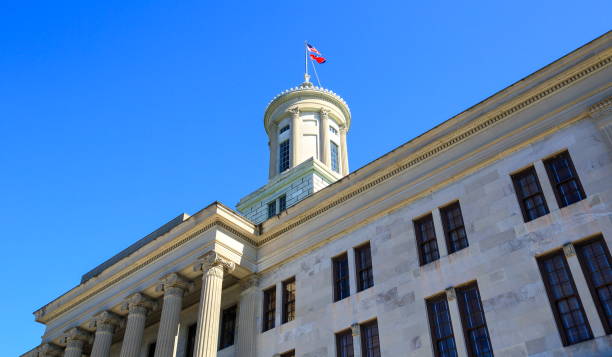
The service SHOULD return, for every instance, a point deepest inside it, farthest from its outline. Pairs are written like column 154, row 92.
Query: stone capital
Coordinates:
column 174, row 284
column 105, row 321
column 50, row 350
column 211, row 260
column 451, row 294
column 294, row 110
column 249, row 283
column 355, row 330
column 75, row 337
column 324, row 112
column 568, row 250
column 138, row 303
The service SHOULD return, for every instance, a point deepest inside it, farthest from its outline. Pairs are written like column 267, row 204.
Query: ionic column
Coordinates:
column 174, row 287
column 602, row 115
column 247, row 317
column 344, row 158
column 453, row 310
column 137, row 306
column 356, row 332
column 273, row 150
column 104, row 323
column 296, row 135
column 213, row 266
column 75, row 340
column 324, row 135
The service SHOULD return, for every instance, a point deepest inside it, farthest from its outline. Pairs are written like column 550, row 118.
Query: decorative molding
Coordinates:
column 568, row 250
column 211, row 260
column 601, row 109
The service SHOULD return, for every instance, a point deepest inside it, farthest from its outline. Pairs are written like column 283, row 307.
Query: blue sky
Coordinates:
column 116, row 116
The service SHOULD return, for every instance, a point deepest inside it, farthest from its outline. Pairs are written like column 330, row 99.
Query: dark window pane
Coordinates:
column 344, row 344
column 288, row 354
column 283, row 156
column 269, row 308
column 564, row 299
column 564, row 179
column 452, row 220
column 473, row 320
column 334, row 156
column 341, row 277
column 228, row 327
column 597, row 267
column 363, row 263
column 284, row 129
column 426, row 240
column 282, row 203
column 289, row 300
column 271, row 209
column 370, row 343
column 529, row 194
column 191, row 335
column 442, row 335
column 151, row 350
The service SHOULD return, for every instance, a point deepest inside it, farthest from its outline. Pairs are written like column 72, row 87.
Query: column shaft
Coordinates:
column 102, row 342
column 247, row 319
column 208, row 313
column 296, row 135
column 169, row 323
column 324, row 137
column 74, row 348
column 344, row 158
column 134, row 331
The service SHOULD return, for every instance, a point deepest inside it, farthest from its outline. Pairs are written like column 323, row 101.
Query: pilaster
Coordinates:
column 324, row 135
column 601, row 113
column 247, row 317
column 453, row 309
column 343, row 151
column 296, row 135
column 356, row 332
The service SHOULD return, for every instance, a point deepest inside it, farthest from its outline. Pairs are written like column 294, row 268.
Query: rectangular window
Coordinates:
column 441, row 327
column 283, row 156
column 269, row 308
column 272, row 209
column 284, row 129
column 564, row 179
column 529, row 194
column 289, row 300
column 228, row 327
column 344, row 344
column 341, row 277
column 333, row 149
column 473, row 320
column 426, row 240
column 282, row 203
column 288, row 354
column 564, row 300
column 191, row 336
column 596, row 264
column 363, row 265
column 370, row 343
column 454, row 230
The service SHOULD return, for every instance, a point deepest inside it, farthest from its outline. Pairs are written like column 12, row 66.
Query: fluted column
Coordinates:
column 324, row 136
column 213, row 266
column 105, row 324
column 137, row 306
column 75, row 340
column 343, row 151
column 296, row 135
column 273, row 150
column 247, row 317
column 356, row 332
column 174, row 287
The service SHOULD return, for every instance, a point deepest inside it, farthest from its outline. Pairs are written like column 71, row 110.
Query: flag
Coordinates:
column 318, row 59
column 312, row 49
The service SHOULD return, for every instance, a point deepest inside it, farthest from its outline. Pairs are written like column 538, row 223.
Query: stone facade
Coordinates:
column 217, row 258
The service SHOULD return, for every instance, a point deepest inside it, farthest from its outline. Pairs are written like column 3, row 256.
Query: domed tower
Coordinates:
column 306, row 127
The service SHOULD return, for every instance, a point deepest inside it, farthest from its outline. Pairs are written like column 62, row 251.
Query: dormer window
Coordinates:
column 284, row 129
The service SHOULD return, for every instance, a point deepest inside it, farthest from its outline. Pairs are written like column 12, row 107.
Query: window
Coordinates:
column 271, row 209
column 363, row 264
column 282, row 203
column 596, row 264
column 284, row 129
column 564, row 179
column 151, row 350
column 473, row 320
column 341, row 277
column 283, row 154
column 456, row 239
column 564, row 300
column 370, row 344
column 289, row 300
column 344, row 344
column 228, row 327
column 333, row 130
column 333, row 149
column 269, row 308
column 529, row 194
column 288, row 354
column 441, row 327
column 191, row 335
column 426, row 240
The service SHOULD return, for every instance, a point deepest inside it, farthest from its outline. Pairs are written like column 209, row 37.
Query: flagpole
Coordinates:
column 306, row 76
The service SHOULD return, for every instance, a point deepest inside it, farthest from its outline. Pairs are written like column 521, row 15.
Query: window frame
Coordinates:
column 364, row 343
column 433, row 241
column 338, row 280
column 361, row 286
column 272, row 209
column 555, row 186
column 446, row 226
column 334, row 156
column 228, row 325
column 433, row 326
column 269, row 309
column 521, row 200
column 347, row 333
column 552, row 302
column 463, row 314
column 288, row 309
column 282, row 203
column 284, row 163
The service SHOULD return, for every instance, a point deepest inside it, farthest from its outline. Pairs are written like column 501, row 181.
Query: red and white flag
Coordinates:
column 319, row 59
column 312, row 49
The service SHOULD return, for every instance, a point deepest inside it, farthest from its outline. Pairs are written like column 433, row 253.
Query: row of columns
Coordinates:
column 138, row 306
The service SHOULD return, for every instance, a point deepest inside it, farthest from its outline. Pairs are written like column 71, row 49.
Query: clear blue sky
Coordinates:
column 116, row 116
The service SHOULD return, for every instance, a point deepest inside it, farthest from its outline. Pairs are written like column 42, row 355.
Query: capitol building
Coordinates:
column 488, row 235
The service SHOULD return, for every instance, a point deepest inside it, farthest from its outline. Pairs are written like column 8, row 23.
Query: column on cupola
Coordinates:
column 104, row 324
column 356, row 333
column 601, row 113
column 75, row 339
column 343, row 153
column 324, row 136
column 247, row 317
column 214, row 267
column 296, row 135
column 174, row 287
column 273, row 150
column 138, row 307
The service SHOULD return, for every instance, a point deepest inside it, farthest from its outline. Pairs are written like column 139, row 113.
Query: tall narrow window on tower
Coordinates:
column 333, row 149
column 283, row 154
